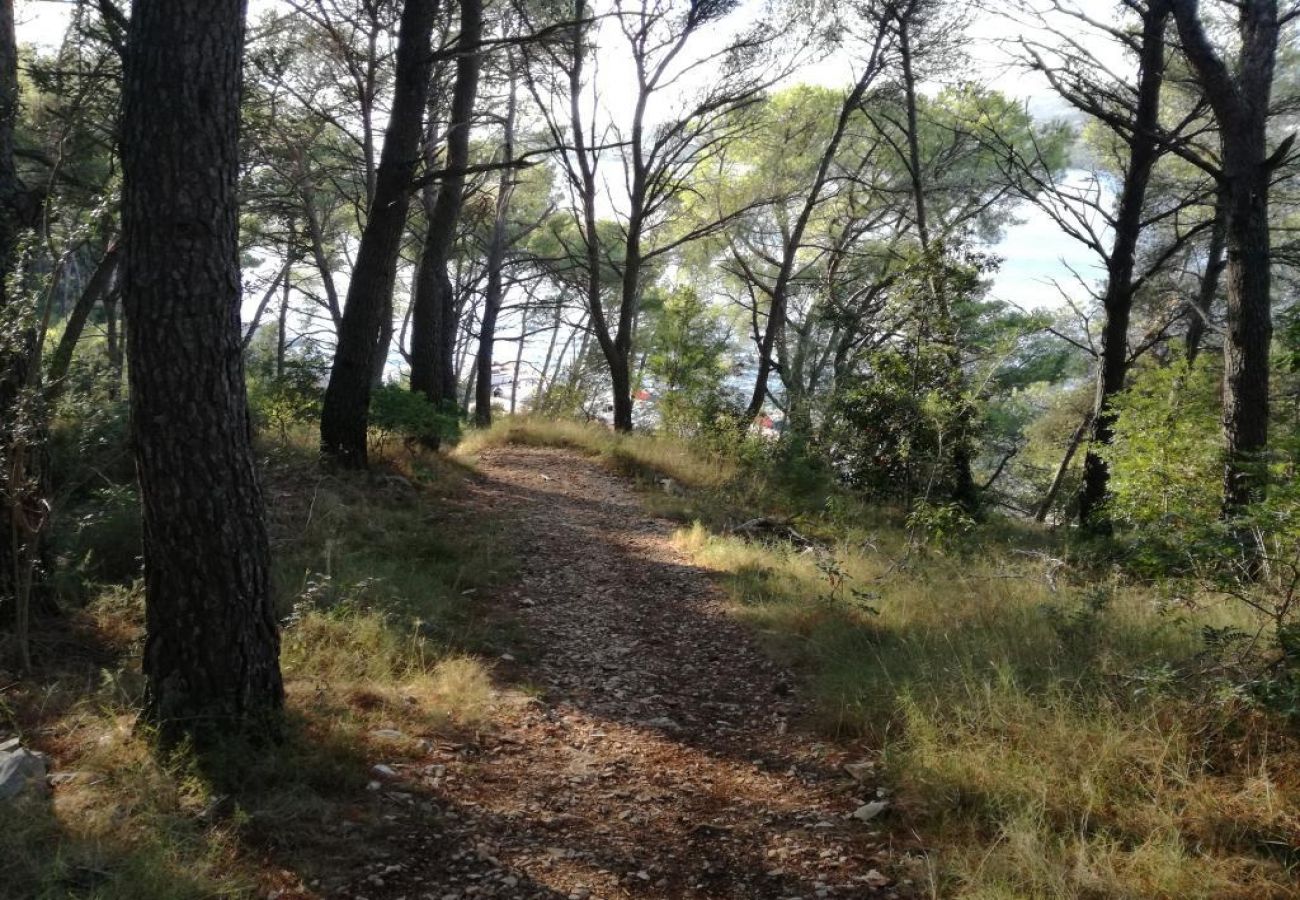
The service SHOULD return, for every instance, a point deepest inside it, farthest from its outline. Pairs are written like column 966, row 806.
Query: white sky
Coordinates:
column 1035, row 253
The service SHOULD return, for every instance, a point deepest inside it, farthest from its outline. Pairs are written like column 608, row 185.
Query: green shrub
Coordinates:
column 104, row 544
column 396, row 412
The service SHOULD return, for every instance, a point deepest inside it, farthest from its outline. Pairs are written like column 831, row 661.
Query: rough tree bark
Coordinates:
column 434, row 320
column 345, row 411
column 1239, row 96
column 23, row 487
column 1143, row 153
column 12, row 192
column 211, row 656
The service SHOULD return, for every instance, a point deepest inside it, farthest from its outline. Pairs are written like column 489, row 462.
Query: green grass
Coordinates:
column 1045, row 731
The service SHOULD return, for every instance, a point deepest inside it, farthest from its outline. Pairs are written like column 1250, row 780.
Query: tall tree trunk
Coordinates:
column 1199, row 315
column 1239, row 95
column 282, row 330
column 590, row 232
column 1058, row 479
column 519, row 352
column 12, row 193
column 211, row 655
column 16, row 346
column 964, row 490
column 496, row 257
column 113, row 344
column 1143, row 153
column 434, row 320
column 345, row 412
column 1250, row 326
column 776, row 315
column 386, row 331
column 543, row 382
column 99, row 286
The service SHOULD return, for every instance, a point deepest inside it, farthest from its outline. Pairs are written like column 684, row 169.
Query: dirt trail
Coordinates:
column 660, row 756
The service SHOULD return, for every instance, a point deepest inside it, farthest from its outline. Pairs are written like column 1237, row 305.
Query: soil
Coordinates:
column 646, row 746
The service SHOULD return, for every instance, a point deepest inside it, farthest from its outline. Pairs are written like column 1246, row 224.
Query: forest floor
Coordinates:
column 645, row 746
column 521, row 671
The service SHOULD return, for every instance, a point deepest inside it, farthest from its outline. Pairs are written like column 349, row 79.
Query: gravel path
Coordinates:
column 650, row 750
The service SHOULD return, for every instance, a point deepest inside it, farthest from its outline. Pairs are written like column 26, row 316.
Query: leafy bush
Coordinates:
column 1166, row 457
column 396, row 412
column 105, row 543
column 280, row 397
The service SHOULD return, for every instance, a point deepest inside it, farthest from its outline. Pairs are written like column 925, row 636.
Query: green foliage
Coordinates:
column 398, row 412
column 940, row 523
column 104, row 543
column 1165, row 460
column 281, row 396
column 893, row 427
column 687, row 360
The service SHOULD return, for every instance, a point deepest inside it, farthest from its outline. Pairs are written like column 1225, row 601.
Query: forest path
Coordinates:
column 657, row 753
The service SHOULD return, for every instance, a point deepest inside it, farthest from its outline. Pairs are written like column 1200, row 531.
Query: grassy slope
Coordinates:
column 376, row 576
column 1044, row 734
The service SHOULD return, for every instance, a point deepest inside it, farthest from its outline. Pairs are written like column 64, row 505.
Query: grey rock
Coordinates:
column 21, row 771
column 661, row 722
column 868, row 811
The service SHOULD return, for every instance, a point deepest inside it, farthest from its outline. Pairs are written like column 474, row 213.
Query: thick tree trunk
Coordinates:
column 345, row 412
column 1118, row 300
column 385, row 342
column 15, row 345
column 619, row 353
column 434, row 319
column 621, row 382
column 1240, row 97
column 211, row 656
column 12, row 193
column 1250, row 326
column 495, row 263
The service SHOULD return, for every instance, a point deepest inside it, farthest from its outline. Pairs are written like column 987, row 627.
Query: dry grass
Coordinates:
column 383, row 647
column 1045, row 745
column 1047, row 738
column 642, row 456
